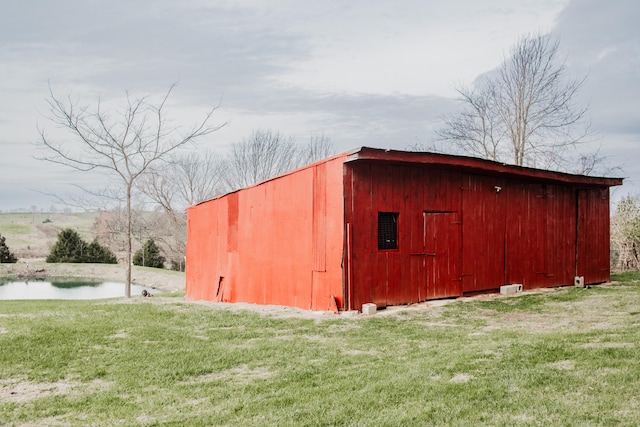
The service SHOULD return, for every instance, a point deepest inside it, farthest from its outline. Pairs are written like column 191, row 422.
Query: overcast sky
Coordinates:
column 363, row 72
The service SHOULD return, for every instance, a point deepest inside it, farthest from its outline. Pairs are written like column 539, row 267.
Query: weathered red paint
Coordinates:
column 309, row 238
column 279, row 242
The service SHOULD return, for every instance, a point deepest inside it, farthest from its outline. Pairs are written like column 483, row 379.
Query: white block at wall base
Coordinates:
column 511, row 289
column 369, row 308
column 578, row 281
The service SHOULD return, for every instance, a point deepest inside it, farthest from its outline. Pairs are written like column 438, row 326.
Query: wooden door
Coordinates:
column 435, row 258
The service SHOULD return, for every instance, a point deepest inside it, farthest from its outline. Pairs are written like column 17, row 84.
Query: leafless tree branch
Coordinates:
column 524, row 112
column 125, row 145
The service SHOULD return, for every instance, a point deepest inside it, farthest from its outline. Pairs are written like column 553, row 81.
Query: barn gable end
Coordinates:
column 278, row 242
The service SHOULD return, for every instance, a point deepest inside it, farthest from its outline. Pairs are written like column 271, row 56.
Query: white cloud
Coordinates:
column 419, row 48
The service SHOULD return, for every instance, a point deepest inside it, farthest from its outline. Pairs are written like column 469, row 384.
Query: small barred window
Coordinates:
column 387, row 230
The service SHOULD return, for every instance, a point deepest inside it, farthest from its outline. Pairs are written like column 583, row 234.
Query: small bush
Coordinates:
column 71, row 248
column 177, row 265
column 149, row 255
column 6, row 256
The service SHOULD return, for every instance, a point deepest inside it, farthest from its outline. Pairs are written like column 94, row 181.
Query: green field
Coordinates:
column 31, row 235
column 561, row 357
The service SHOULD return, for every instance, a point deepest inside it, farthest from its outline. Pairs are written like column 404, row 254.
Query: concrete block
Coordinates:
column 369, row 308
column 511, row 289
column 578, row 281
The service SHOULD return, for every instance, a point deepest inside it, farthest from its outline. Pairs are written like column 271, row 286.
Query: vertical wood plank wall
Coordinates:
column 508, row 231
column 309, row 239
column 279, row 242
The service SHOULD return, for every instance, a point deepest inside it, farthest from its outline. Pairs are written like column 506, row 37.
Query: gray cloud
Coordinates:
column 296, row 67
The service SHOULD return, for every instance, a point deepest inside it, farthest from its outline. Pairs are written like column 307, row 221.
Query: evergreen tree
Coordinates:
column 149, row 256
column 97, row 253
column 68, row 248
column 71, row 248
column 6, row 256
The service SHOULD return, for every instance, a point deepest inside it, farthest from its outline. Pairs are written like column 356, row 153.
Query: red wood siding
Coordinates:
column 309, row 238
column 279, row 242
column 426, row 264
column 593, row 235
column 460, row 232
column 560, row 251
column 525, row 231
column 483, row 231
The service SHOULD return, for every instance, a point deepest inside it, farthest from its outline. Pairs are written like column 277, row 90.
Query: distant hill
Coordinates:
column 31, row 235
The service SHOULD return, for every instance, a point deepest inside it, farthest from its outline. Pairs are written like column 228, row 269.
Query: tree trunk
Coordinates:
column 127, row 286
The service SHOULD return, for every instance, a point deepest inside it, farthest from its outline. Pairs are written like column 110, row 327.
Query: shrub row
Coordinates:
column 71, row 248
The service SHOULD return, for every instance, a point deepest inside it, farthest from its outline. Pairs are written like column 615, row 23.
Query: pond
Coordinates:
column 64, row 288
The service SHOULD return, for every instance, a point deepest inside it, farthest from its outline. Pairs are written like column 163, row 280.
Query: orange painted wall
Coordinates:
column 279, row 242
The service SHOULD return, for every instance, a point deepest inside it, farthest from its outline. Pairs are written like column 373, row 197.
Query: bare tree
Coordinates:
column 318, row 147
column 476, row 130
column 524, row 112
column 625, row 234
column 266, row 154
column 183, row 180
column 124, row 144
column 259, row 157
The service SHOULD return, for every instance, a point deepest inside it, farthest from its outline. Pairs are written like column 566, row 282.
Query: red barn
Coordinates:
column 395, row 227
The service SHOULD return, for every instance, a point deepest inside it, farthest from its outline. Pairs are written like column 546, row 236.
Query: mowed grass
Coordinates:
column 561, row 357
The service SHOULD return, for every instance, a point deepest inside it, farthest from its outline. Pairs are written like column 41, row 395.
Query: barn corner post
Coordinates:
column 347, row 305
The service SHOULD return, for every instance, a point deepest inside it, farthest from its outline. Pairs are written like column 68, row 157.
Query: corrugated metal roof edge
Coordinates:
column 477, row 164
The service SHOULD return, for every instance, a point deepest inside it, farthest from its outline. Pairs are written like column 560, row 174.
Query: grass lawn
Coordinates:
column 561, row 357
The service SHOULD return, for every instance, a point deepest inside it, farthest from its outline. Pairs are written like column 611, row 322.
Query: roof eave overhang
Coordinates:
column 476, row 165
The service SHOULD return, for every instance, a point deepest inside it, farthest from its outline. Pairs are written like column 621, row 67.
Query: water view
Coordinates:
column 65, row 288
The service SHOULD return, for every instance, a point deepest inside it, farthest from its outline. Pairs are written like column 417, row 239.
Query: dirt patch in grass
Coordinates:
column 20, row 390
column 563, row 365
column 242, row 374
column 609, row 345
column 461, row 378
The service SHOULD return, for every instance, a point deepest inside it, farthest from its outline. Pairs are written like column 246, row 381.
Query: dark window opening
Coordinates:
column 387, row 230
